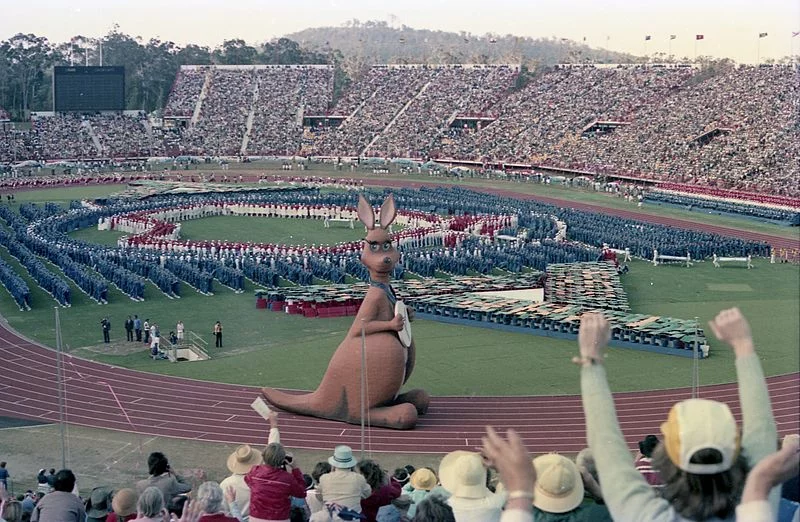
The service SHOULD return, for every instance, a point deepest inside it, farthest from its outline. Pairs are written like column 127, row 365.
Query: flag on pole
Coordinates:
column 672, row 37
column 762, row 35
column 646, row 38
column 699, row 37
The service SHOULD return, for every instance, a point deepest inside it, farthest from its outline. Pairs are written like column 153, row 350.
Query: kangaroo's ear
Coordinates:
column 388, row 212
column 365, row 213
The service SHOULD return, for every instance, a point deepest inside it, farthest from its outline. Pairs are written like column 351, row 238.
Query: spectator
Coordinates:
column 701, row 461
column 11, row 511
column 211, row 500
column 273, row 484
column 644, row 461
column 315, row 503
column 123, row 505
column 384, row 489
column 61, row 505
column 396, row 510
column 97, row 507
column 342, row 486
column 763, row 478
column 434, row 509
column 419, row 486
column 4, row 475
column 162, row 477
column 240, row 462
column 558, row 493
column 463, row 475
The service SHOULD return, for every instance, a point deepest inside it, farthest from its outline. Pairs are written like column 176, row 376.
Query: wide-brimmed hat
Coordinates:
column 124, row 502
column 342, row 457
column 244, row 458
column 463, row 474
column 423, row 478
column 98, row 502
column 559, row 486
column 701, row 424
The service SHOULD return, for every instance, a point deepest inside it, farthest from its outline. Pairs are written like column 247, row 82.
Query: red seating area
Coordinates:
column 313, row 309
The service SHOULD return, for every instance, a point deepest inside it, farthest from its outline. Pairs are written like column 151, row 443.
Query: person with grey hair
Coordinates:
column 151, row 508
column 210, row 498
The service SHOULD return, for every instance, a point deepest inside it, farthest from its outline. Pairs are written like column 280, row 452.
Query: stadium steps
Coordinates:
column 251, row 116
column 396, row 116
column 95, row 139
column 203, row 93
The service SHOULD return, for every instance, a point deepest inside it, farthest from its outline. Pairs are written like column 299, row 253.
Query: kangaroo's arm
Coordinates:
column 372, row 315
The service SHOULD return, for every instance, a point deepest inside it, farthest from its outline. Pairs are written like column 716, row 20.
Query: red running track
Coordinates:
column 104, row 396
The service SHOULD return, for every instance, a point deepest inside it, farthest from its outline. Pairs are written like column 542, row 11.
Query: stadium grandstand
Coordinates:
column 735, row 130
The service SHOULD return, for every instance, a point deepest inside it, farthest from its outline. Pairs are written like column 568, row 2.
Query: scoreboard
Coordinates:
column 88, row 89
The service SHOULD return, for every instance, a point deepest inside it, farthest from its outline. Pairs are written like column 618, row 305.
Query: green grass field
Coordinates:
column 263, row 347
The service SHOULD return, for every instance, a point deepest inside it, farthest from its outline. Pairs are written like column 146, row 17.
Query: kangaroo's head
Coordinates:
column 379, row 254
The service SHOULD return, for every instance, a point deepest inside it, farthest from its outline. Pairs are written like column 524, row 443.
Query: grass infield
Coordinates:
column 263, row 347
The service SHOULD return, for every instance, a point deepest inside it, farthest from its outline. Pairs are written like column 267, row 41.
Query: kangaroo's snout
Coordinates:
column 387, row 260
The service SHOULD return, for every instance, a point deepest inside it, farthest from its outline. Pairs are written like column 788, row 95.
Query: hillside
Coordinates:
column 377, row 42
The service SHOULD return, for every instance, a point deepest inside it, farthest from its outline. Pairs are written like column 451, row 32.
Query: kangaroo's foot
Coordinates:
column 419, row 398
column 399, row 417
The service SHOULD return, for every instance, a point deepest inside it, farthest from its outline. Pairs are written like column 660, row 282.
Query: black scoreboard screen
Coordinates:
column 88, row 89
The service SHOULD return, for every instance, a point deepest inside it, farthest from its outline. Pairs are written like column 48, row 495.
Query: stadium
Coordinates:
column 651, row 194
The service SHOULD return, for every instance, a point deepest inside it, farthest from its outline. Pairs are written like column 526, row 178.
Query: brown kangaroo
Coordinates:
column 388, row 363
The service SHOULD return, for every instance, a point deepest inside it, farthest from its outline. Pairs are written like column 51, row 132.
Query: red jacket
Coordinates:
column 379, row 498
column 271, row 489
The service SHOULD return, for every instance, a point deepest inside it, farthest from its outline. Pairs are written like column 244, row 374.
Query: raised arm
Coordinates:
column 629, row 497
column 759, row 432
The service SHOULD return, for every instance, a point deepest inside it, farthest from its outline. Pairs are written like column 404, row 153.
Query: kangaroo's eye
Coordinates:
column 374, row 247
column 387, row 246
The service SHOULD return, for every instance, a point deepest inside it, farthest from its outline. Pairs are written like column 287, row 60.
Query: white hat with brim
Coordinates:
column 463, row 474
column 244, row 458
column 342, row 458
column 559, row 486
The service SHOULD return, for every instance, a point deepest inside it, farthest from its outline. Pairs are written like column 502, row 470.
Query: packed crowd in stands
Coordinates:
column 702, row 467
column 186, row 91
column 223, row 117
column 285, row 95
column 734, row 128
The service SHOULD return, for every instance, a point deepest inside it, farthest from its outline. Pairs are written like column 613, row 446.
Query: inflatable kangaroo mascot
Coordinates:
column 388, row 363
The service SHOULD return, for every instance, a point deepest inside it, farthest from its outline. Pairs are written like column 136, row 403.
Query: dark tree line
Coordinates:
column 27, row 60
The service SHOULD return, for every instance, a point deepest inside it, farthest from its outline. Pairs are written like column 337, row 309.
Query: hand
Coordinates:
column 273, row 419
column 511, row 459
column 772, row 470
column 731, row 327
column 396, row 323
column 192, row 511
column 230, row 494
column 593, row 336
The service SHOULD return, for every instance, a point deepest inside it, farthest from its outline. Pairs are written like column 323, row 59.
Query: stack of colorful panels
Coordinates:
column 592, row 285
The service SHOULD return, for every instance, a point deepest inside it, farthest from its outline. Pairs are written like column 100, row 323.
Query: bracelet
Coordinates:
column 584, row 361
column 519, row 494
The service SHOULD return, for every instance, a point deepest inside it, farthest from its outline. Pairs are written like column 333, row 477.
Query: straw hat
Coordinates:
column 244, row 458
column 463, row 474
column 559, row 486
column 423, row 478
column 124, row 502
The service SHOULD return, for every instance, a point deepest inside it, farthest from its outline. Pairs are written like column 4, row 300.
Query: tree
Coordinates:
column 28, row 57
column 235, row 52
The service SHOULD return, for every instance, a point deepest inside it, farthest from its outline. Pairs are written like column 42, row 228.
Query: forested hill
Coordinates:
column 377, row 42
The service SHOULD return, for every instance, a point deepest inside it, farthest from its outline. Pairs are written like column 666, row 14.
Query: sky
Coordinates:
column 730, row 27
